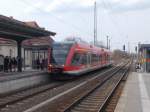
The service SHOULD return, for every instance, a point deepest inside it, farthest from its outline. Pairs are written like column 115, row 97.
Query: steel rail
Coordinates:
column 99, row 86
column 67, row 93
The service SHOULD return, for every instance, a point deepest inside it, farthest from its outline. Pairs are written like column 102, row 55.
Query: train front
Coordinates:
column 57, row 58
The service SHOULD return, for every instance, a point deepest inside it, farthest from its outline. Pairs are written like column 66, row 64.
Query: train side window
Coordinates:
column 100, row 58
column 106, row 57
column 94, row 58
column 89, row 58
column 103, row 57
column 97, row 58
column 84, row 59
column 79, row 59
column 76, row 59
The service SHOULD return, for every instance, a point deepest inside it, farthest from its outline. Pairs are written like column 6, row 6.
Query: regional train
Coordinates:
column 75, row 58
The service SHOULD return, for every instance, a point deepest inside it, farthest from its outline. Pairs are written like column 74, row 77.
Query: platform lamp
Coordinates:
column 124, row 48
column 136, row 53
column 107, row 42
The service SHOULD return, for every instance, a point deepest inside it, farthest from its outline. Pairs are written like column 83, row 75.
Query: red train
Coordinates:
column 75, row 58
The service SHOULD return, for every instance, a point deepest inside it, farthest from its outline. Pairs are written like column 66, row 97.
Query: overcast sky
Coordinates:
column 122, row 20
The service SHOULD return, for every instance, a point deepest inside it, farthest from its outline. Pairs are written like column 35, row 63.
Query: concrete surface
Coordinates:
column 22, row 82
column 136, row 94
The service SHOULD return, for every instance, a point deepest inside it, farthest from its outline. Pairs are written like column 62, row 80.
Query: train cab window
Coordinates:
column 59, row 53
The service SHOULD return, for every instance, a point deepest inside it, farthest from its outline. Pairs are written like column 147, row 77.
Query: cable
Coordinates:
column 81, row 17
column 112, row 19
column 59, row 19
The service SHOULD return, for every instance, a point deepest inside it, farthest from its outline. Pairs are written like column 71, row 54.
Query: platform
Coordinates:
column 13, row 81
column 136, row 94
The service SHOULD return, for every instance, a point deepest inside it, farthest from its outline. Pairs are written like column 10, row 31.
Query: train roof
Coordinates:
column 85, row 46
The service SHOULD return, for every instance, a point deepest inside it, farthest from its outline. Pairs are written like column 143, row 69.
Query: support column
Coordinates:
column 44, row 60
column 24, row 58
column 19, row 59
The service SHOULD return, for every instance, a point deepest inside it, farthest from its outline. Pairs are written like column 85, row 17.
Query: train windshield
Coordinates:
column 59, row 53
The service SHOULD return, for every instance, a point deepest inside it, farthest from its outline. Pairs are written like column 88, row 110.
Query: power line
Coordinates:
column 112, row 19
column 59, row 19
column 81, row 17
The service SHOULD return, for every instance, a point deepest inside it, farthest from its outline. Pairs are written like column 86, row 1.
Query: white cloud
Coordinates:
column 126, row 5
column 32, row 8
column 58, row 5
column 126, row 1
column 53, row 6
column 62, row 6
column 131, row 2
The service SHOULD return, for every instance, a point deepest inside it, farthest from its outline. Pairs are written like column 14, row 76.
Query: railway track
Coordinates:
column 28, row 100
column 71, row 98
column 112, row 103
column 10, row 99
column 31, row 98
column 96, row 100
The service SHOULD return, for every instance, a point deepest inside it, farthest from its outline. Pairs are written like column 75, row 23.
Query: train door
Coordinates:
column 100, row 56
column 102, row 59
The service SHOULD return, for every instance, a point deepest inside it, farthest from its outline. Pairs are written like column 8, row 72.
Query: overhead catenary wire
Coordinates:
column 58, row 19
column 112, row 19
column 84, row 20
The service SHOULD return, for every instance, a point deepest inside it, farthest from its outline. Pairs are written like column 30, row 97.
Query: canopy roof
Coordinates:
column 17, row 30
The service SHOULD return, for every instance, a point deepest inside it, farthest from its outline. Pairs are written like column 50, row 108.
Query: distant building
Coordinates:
column 144, row 56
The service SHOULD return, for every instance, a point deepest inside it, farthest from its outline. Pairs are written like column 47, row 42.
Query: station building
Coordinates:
column 144, row 56
column 28, row 37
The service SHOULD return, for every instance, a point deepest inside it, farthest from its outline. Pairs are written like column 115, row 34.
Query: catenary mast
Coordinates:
column 95, row 23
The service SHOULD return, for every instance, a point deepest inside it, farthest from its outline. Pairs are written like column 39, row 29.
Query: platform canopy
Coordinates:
column 19, row 31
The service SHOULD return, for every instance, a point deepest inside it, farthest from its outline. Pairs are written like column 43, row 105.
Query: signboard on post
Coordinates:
column 124, row 47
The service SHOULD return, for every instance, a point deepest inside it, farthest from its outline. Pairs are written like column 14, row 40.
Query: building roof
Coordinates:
column 32, row 24
column 144, row 46
column 17, row 30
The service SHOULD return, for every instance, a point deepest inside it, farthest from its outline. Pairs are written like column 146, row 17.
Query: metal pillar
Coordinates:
column 95, row 24
column 107, row 42
column 24, row 58
column 146, row 59
column 19, row 59
column 145, row 64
